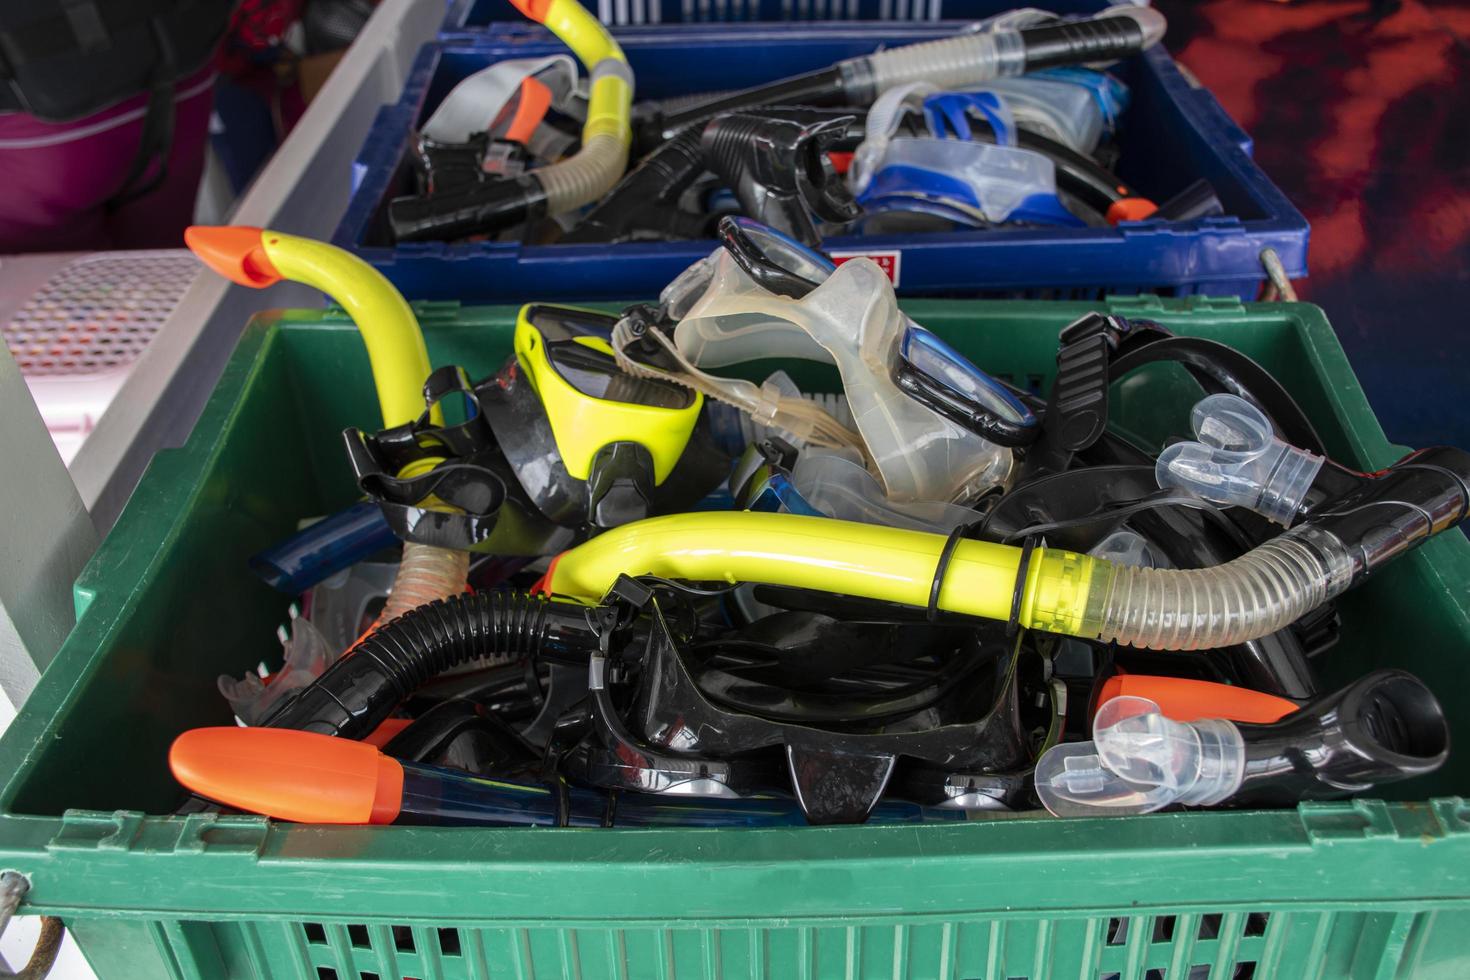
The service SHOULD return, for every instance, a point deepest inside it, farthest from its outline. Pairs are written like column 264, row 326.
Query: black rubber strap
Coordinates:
column 156, row 135
column 946, row 555
column 610, row 809
column 1013, row 623
column 533, row 683
column 563, row 801
column 1222, row 369
column 1077, row 408
column 485, row 207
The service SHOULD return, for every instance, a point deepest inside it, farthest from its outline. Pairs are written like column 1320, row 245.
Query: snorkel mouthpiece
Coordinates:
column 1382, row 728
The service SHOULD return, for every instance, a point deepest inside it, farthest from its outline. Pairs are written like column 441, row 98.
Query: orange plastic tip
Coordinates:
column 387, row 731
column 235, row 252
column 534, row 9
column 841, row 160
column 1130, row 209
column 1184, row 699
column 530, row 110
column 543, row 584
column 291, row 775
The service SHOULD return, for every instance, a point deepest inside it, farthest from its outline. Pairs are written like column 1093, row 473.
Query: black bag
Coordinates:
column 65, row 59
column 62, row 60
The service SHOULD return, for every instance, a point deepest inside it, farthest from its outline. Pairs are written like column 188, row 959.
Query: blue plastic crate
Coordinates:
column 1172, row 135
column 476, row 15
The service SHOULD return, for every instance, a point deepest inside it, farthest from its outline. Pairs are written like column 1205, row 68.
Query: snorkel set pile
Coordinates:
column 769, row 552
column 639, row 576
column 998, row 125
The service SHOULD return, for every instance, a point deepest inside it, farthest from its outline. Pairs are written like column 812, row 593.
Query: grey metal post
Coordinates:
column 46, row 537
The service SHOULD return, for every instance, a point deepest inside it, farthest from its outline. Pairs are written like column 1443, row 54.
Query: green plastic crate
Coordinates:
column 1355, row 889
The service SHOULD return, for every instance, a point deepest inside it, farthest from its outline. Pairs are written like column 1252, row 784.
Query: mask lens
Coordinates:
column 933, row 357
column 558, row 323
column 775, row 261
column 596, row 375
column 786, row 253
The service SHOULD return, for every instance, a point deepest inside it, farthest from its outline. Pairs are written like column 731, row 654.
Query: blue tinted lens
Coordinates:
column 785, row 252
column 932, row 356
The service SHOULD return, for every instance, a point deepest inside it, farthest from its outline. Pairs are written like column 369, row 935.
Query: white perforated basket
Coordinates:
column 78, row 336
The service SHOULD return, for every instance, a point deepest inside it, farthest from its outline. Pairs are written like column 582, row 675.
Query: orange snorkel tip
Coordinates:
column 1186, row 699
column 534, row 9
column 290, row 775
column 235, row 252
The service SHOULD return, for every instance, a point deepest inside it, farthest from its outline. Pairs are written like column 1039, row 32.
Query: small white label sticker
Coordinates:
column 887, row 261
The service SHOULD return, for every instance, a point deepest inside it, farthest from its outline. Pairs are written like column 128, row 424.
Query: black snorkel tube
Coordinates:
column 1384, row 727
column 950, row 63
column 773, row 159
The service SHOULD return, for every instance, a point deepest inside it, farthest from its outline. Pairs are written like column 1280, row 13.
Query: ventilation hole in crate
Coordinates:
column 1115, row 975
column 325, row 973
column 1209, row 926
column 1155, row 973
column 1255, row 924
column 1164, row 929
column 368, row 975
column 1117, row 931
column 403, row 939
column 359, row 937
column 1200, row 971
column 315, row 934
column 449, row 942
column 1244, row 971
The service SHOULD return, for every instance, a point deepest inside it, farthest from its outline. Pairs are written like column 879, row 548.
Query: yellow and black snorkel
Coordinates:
column 591, row 444
column 567, row 185
column 259, row 258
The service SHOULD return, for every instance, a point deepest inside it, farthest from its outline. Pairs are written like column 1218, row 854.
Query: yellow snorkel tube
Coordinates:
column 1041, row 588
column 567, row 185
column 1246, row 598
column 259, row 258
column 607, row 133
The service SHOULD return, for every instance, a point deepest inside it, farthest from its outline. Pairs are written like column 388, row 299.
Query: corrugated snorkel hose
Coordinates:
column 356, row 693
column 1039, row 588
column 968, row 59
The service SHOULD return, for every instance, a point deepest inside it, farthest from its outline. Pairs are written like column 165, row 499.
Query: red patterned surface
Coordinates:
column 1365, row 124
